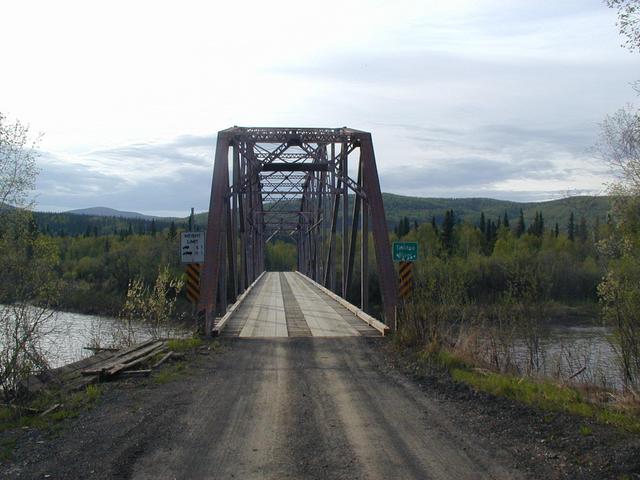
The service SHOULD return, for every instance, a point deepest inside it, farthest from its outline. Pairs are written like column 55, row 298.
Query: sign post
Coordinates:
column 405, row 253
column 193, row 283
column 192, row 247
column 192, row 253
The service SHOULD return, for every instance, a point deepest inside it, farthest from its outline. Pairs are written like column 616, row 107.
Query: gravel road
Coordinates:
column 323, row 408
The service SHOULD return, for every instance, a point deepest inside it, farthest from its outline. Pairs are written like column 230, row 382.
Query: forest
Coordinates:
column 96, row 257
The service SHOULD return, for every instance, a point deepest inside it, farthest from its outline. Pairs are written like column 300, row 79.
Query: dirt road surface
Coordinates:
column 317, row 408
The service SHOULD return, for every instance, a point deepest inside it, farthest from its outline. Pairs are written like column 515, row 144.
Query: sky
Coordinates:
column 477, row 98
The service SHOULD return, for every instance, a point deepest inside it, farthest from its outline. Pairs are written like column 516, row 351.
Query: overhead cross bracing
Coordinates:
column 293, row 182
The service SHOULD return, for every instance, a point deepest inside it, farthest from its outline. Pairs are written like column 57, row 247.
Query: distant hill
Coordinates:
column 108, row 212
column 422, row 209
column 104, row 220
column 469, row 209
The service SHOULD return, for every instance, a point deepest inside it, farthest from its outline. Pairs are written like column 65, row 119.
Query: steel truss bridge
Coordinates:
column 270, row 182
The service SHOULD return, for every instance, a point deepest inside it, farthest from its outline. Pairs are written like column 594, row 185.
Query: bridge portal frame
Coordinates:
column 254, row 198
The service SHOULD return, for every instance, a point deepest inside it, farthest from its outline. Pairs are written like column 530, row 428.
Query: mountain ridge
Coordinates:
column 108, row 212
column 416, row 209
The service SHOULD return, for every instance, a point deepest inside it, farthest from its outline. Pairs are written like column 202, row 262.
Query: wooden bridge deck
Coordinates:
column 285, row 304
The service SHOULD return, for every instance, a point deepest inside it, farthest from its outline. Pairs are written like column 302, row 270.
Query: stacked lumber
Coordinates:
column 124, row 360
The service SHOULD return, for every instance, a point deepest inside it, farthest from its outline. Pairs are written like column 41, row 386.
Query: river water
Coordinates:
column 567, row 348
column 70, row 333
column 583, row 352
column 65, row 335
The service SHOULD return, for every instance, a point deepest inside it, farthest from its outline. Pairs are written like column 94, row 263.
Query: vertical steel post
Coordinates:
column 364, row 258
column 234, row 220
column 345, row 219
column 386, row 272
column 330, row 271
column 354, row 230
column 215, row 232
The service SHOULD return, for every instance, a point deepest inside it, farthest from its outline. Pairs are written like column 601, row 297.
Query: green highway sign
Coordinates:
column 405, row 251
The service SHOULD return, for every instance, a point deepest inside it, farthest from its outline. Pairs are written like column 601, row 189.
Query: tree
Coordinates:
column 583, row 230
column 483, row 223
column 17, row 163
column 152, row 306
column 403, row 227
column 447, row 231
column 571, row 227
column 628, row 21
column 521, row 227
column 27, row 278
column 173, row 232
column 505, row 220
column 537, row 227
column 619, row 146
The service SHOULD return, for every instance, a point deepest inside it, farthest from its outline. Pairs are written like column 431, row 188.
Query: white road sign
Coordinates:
column 192, row 247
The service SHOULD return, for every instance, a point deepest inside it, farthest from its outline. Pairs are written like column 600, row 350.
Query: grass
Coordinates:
column 184, row 344
column 585, row 430
column 170, row 373
column 547, row 396
column 7, row 446
column 445, row 359
column 71, row 404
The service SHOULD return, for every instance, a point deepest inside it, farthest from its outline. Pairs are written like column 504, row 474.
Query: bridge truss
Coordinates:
column 295, row 182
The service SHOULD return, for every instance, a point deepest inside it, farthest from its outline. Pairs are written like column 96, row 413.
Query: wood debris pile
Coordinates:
column 123, row 361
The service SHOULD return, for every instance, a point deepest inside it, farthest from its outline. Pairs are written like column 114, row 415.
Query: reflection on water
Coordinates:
column 69, row 333
column 584, row 350
column 64, row 335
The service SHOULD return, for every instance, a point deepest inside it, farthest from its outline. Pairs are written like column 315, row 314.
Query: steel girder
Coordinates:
column 293, row 181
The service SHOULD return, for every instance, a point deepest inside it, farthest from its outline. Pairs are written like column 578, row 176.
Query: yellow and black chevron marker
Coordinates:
column 406, row 279
column 193, row 282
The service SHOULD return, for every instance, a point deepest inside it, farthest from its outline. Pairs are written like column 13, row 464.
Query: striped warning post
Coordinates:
column 406, row 279
column 193, row 282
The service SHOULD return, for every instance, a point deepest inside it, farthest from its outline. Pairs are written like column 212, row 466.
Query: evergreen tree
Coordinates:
column 434, row 225
column 521, row 227
column 505, row 220
column 415, row 225
column 557, row 230
column 172, row 231
column 537, row 227
column 483, row 225
column 153, row 228
column 583, row 230
column 571, row 228
column 490, row 234
column 447, row 231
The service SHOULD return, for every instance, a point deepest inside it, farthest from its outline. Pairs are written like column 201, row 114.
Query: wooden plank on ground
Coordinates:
column 114, row 364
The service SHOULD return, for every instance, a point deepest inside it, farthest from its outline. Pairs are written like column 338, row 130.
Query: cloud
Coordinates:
column 463, row 97
column 157, row 178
